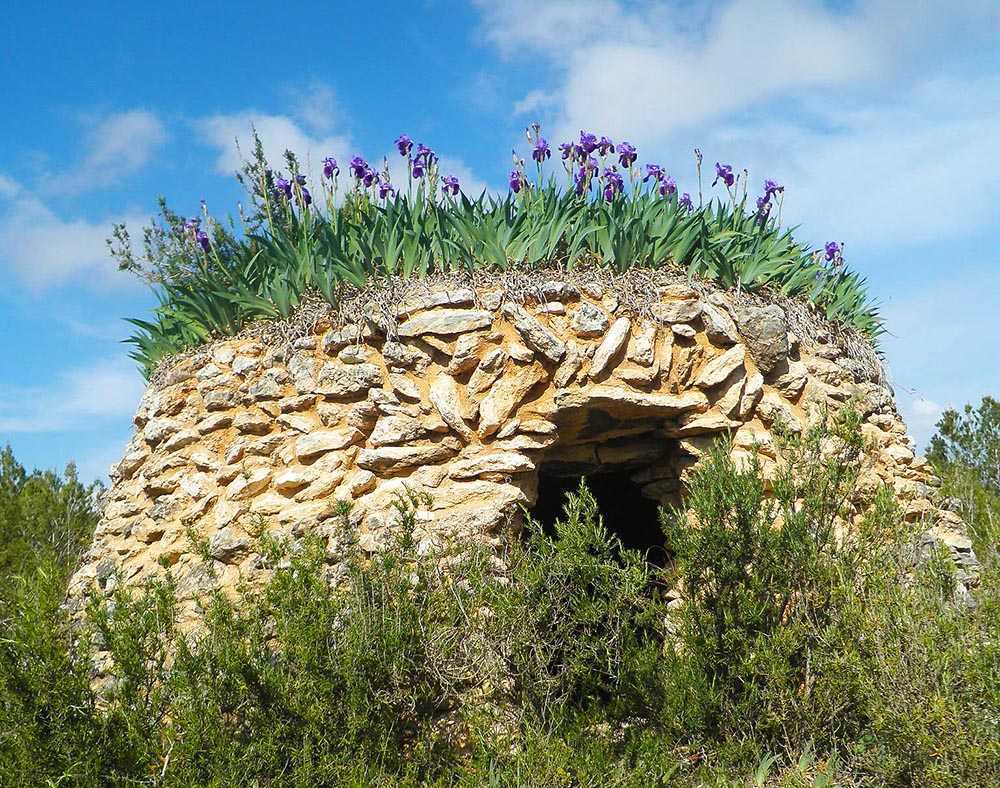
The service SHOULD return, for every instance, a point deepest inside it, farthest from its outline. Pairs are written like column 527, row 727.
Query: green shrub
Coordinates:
column 800, row 654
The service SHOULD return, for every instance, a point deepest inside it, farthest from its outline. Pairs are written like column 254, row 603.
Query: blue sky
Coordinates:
column 879, row 116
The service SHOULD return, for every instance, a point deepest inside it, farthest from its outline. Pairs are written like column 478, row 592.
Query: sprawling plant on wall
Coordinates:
column 212, row 278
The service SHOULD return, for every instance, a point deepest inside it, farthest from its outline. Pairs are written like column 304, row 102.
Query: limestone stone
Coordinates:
column 719, row 327
column 444, row 396
column 445, row 322
column 225, row 544
column 292, row 479
column 791, row 382
column 253, row 422
column 322, row 441
column 765, row 333
column 570, row 366
column 462, row 296
column 669, row 312
column 610, row 347
column 341, row 381
column 683, row 330
column 353, row 354
column 535, row 335
column 388, row 458
column 500, row 462
column 589, row 321
column 400, row 355
column 158, row 430
column 642, row 349
column 614, row 397
column 270, row 385
column 248, row 484
column 221, row 399
column 502, row 398
column 721, row 367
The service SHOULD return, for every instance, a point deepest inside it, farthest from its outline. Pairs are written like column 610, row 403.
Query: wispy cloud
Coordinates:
column 77, row 399
column 310, row 131
column 43, row 249
column 115, row 147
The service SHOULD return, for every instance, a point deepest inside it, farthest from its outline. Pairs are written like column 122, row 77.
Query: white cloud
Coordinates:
column 534, row 100
column 8, row 187
column 116, row 146
column 105, row 391
column 309, row 132
column 870, row 115
column 43, row 249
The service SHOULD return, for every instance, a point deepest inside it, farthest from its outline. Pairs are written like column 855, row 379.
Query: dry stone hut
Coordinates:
column 488, row 395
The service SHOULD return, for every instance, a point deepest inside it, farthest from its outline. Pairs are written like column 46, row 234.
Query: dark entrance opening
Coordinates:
column 626, row 512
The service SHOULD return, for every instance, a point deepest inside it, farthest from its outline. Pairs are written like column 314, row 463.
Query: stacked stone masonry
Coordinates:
column 464, row 398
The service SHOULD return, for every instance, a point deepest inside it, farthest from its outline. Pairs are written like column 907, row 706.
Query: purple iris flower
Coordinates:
column 667, row 186
column 192, row 224
column 385, row 189
column 404, row 144
column 425, row 153
column 450, row 183
column 541, row 151
column 626, row 154
column 724, row 172
column 654, row 171
column 580, row 179
column 515, row 181
column 605, row 146
column 330, row 167
column 613, row 183
column 202, row 240
column 306, row 196
column 418, row 168
column 300, row 180
column 369, row 177
column 771, row 188
column 282, row 188
column 588, row 142
column 764, row 204
column 832, row 250
column 685, row 202
column 358, row 167
column 566, row 150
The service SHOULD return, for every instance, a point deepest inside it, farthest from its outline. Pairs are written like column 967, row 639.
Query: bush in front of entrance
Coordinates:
column 792, row 654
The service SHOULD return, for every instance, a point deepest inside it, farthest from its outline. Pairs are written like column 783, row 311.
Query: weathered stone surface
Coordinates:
column 719, row 326
column 501, row 400
column 323, row 441
column 589, row 321
column 611, row 347
column 389, row 458
column 444, row 396
column 535, row 334
column 501, row 462
column 676, row 311
column 343, row 381
column 721, row 367
column 765, row 333
column 445, row 322
column 225, row 544
column 248, row 484
column 611, row 396
column 462, row 296
column 244, row 435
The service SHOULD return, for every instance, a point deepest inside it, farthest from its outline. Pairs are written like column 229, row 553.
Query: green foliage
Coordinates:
column 42, row 516
column 966, row 454
column 799, row 653
column 287, row 249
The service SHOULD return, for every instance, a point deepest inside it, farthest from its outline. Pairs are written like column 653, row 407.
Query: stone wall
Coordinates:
column 464, row 393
